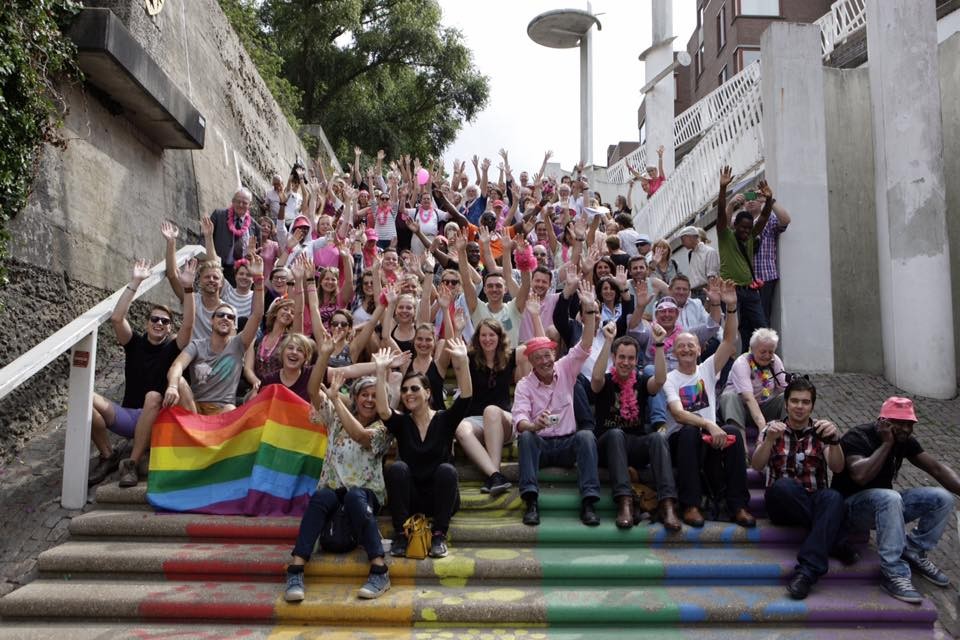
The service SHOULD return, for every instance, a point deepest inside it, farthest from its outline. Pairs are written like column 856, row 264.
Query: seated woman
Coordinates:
column 423, row 478
column 756, row 383
column 352, row 475
column 296, row 352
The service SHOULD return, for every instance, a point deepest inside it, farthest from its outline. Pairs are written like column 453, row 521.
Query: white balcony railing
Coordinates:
column 845, row 18
column 693, row 122
column 736, row 139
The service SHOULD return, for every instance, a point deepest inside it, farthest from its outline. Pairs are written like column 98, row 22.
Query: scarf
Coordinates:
column 629, row 409
column 768, row 381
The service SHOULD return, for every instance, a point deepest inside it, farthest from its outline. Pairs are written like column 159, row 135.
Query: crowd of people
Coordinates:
column 568, row 331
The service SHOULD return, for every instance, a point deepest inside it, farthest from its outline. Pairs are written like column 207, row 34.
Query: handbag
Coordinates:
column 417, row 530
column 338, row 535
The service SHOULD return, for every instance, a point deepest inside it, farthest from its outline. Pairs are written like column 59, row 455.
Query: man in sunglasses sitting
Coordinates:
column 148, row 356
column 216, row 363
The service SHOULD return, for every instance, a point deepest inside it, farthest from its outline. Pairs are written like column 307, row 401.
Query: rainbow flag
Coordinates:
column 263, row 458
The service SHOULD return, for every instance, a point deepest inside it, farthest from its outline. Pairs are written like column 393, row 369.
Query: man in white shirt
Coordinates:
column 704, row 261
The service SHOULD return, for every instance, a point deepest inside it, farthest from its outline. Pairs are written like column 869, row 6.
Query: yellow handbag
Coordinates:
column 417, row 530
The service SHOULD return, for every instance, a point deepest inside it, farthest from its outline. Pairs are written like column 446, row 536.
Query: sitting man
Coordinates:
column 543, row 417
column 217, row 362
column 148, row 356
column 794, row 458
column 756, row 383
column 691, row 397
column 622, row 394
column 874, row 453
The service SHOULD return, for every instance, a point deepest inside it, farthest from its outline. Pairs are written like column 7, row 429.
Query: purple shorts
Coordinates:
column 124, row 421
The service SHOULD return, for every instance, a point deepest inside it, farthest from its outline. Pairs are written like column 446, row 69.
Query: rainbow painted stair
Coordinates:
column 130, row 573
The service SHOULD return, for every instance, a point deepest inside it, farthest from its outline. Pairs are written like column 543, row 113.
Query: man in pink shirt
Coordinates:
column 543, row 416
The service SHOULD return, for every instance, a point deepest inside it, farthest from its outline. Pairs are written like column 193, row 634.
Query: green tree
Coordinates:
column 381, row 74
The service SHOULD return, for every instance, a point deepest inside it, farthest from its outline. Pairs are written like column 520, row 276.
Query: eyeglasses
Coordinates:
column 339, row 323
column 539, row 254
column 224, row 314
column 414, row 388
column 160, row 319
column 452, row 283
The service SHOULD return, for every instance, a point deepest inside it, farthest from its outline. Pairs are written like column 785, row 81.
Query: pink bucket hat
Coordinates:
column 896, row 408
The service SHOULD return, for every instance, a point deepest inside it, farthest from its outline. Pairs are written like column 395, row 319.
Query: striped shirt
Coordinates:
column 765, row 262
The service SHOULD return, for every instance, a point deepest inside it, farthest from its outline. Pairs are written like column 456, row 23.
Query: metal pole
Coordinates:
column 586, row 97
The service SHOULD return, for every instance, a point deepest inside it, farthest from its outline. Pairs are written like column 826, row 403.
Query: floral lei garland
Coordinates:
column 765, row 375
column 231, row 223
column 629, row 409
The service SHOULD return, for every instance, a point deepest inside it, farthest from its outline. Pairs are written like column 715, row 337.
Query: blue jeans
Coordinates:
column 657, row 403
column 362, row 508
column 582, row 399
column 821, row 513
column 578, row 448
column 888, row 511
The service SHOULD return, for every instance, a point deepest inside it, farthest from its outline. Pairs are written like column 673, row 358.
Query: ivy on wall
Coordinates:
column 34, row 56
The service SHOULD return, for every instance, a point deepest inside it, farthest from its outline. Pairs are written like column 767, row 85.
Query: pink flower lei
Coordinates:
column 231, row 223
column 629, row 408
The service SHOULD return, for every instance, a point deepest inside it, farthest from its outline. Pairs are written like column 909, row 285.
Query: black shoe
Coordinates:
column 104, row 467
column 438, row 546
column 496, row 485
column 846, row 553
column 531, row 516
column 398, row 549
column 588, row 516
column 799, row 586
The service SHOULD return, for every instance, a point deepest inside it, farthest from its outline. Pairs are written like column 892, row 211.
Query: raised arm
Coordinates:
column 206, row 229
column 382, row 360
column 458, row 356
column 170, row 233
column 659, row 334
column 253, row 322
column 588, row 312
column 727, row 348
column 469, row 292
column 726, row 177
column 598, row 376
column 187, row 276
column 118, row 319
column 761, row 222
column 660, row 162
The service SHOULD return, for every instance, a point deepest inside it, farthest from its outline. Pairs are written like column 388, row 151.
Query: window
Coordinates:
column 643, row 133
column 723, row 76
column 700, row 24
column 758, row 7
column 746, row 56
column 700, row 53
column 722, row 28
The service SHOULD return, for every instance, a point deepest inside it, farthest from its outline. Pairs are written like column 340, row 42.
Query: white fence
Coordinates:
column 80, row 337
column 845, row 18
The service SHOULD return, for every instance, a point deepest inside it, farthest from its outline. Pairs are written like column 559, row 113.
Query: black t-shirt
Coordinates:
column 608, row 406
column 863, row 441
column 145, row 368
column 299, row 385
column 424, row 456
column 491, row 387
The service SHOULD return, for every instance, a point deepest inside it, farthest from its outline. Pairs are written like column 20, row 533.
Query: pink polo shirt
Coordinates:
column 546, row 316
column 532, row 397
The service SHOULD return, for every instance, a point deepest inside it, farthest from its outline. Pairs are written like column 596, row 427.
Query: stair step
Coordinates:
column 138, row 631
column 466, row 527
column 465, row 564
column 258, row 602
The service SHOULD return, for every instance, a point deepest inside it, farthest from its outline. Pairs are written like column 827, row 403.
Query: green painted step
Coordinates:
column 219, row 561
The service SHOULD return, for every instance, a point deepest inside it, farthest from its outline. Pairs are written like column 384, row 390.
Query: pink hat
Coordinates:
column 497, row 203
column 666, row 302
column 896, row 408
column 536, row 344
column 300, row 221
column 371, row 235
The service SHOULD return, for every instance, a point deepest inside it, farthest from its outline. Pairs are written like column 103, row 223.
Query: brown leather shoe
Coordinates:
column 624, row 512
column 693, row 517
column 743, row 518
column 668, row 515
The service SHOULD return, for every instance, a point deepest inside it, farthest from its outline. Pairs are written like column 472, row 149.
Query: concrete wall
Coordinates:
column 857, row 337
column 950, row 97
column 99, row 203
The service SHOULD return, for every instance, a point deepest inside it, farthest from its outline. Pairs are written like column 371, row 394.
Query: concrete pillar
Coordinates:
column 914, row 256
column 794, row 132
column 659, row 101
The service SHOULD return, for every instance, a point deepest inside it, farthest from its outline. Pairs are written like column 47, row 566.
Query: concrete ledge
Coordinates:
column 115, row 63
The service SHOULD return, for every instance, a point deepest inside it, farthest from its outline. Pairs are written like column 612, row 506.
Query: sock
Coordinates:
column 378, row 569
column 295, row 568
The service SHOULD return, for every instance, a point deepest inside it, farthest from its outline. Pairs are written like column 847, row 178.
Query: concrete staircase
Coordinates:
column 130, row 573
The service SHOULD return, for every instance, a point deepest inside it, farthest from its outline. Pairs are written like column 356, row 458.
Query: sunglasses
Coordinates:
column 452, row 283
column 414, row 388
column 539, row 254
column 339, row 323
column 224, row 314
column 160, row 319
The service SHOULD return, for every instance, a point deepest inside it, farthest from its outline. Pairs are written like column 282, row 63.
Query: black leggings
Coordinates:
column 438, row 497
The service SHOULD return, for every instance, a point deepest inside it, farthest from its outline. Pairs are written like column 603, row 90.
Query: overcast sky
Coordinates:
column 534, row 101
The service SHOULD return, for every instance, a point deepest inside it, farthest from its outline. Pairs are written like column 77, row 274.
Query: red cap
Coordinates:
column 300, row 221
column 896, row 408
column 536, row 344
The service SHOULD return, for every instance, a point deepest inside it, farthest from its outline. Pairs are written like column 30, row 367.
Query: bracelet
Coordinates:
column 729, row 310
column 715, row 304
column 131, row 288
column 312, row 288
column 579, row 238
column 657, row 344
column 188, row 289
column 589, row 313
column 172, row 386
column 258, row 278
column 297, row 290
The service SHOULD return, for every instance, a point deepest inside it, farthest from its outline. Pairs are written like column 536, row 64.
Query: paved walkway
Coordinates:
column 32, row 520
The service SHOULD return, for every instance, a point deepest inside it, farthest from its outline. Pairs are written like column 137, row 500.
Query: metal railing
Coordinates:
column 736, row 140
column 845, row 18
column 80, row 337
column 695, row 121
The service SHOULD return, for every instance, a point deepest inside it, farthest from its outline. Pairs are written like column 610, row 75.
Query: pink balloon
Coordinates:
column 423, row 176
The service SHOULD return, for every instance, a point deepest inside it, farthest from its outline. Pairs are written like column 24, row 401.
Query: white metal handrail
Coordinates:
column 845, row 18
column 696, row 120
column 736, row 140
column 80, row 337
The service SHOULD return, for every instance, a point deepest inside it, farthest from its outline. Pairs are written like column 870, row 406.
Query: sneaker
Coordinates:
column 104, row 467
column 921, row 564
column 294, row 592
column 398, row 548
column 375, row 586
column 496, row 485
column 438, row 546
column 901, row 588
column 128, row 473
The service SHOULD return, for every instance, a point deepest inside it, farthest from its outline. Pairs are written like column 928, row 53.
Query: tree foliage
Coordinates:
column 381, row 74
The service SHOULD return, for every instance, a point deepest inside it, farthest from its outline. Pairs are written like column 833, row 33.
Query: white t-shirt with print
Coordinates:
column 697, row 392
